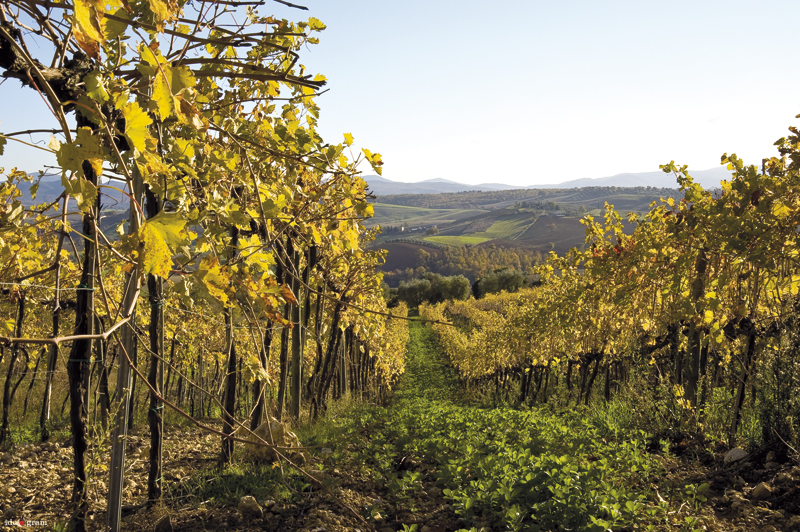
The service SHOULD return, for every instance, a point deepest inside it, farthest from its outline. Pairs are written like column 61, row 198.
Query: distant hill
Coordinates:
column 625, row 199
column 382, row 187
column 521, row 221
column 50, row 188
column 707, row 178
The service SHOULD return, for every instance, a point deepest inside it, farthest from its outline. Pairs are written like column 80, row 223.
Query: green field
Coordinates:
column 457, row 240
column 508, row 228
column 415, row 216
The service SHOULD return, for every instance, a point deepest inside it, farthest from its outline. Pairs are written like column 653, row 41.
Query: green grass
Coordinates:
column 508, row 227
column 226, row 487
column 457, row 240
column 386, row 214
column 519, row 469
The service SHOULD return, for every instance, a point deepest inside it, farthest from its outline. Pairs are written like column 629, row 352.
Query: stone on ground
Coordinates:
column 734, row 455
column 164, row 524
column 275, row 433
column 762, row 491
column 248, row 507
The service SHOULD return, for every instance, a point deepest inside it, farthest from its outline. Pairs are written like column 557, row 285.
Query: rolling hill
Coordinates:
column 539, row 220
column 707, row 178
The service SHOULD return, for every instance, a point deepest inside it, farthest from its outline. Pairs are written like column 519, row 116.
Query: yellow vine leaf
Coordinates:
column 95, row 86
column 215, row 278
column 85, row 147
column 136, row 123
column 89, row 24
column 168, row 83
column 84, row 192
column 163, row 11
column 159, row 234
column 255, row 254
column 795, row 285
column 71, row 156
column 375, row 161
column 86, row 26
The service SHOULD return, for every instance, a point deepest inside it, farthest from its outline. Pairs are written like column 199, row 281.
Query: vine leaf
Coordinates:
column 136, row 123
column 86, row 27
column 89, row 24
column 215, row 279
column 168, row 83
column 375, row 161
column 159, row 234
column 85, row 147
column 71, row 157
column 95, row 86
column 255, row 255
column 84, row 192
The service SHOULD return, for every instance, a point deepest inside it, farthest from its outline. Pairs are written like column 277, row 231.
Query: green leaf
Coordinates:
column 84, row 192
column 95, row 86
column 2, row 144
column 116, row 28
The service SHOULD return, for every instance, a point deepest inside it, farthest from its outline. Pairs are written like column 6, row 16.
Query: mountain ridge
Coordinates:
column 711, row 178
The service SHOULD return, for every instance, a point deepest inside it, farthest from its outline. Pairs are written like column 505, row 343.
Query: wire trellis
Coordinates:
column 53, row 288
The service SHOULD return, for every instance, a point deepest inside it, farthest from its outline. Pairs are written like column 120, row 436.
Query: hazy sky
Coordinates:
column 525, row 92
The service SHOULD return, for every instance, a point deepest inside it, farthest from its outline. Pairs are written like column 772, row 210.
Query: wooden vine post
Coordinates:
column 127, row 346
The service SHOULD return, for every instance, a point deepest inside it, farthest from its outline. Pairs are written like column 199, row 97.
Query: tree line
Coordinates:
column 477, row 199
column 472, row 262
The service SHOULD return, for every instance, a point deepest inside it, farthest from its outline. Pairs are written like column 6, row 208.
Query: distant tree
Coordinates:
column 504, row 279
column 432, row 231
column 385, row 291
column 423, row 257
column 433, row 288
column 414, row 292
column 456, row 287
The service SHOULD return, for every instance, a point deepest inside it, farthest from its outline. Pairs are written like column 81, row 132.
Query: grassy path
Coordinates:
column 500, row 468
column 426, row 379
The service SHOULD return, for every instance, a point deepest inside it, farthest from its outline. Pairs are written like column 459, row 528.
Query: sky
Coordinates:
column 533, row 92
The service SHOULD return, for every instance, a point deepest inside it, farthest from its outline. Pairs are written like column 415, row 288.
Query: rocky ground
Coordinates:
column 36, row 483
column 748, row 492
